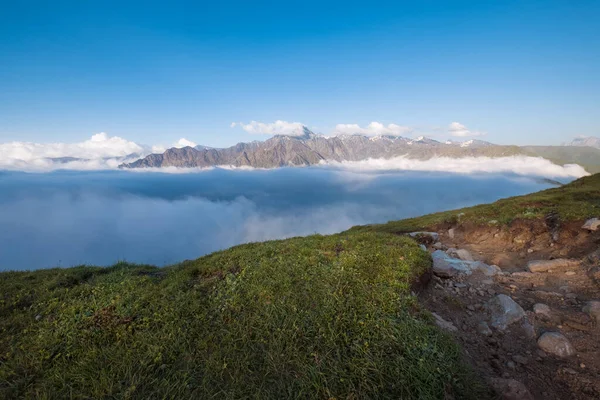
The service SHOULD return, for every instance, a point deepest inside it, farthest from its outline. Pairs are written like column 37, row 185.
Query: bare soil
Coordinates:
column 513, row 353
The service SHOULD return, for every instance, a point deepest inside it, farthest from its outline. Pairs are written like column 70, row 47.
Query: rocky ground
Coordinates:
column 524, row 302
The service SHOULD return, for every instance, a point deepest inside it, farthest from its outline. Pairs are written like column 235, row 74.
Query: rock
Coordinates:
column 451, row 233
column 555, row 343
column 546, row 265
column 423, row 247
column 442, row 323
column 592, row 224
column 542, row 310
column 529, row 251
column 592, row 308
column 522, row 274
column 438, row 246
column 511, row 365
column 445, row 266
column 484, row 329
column 504, row 311
column 430, row 237
column 464, row 255
column 487, row 270
column 570, row 273
column 510, row 389
column 38, row 317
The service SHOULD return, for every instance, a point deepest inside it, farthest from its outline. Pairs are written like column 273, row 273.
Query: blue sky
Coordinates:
column 523, row 72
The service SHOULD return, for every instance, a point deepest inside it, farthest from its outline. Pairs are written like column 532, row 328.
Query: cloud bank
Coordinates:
column 520, row 165
column 99, row 152
column 65, row 219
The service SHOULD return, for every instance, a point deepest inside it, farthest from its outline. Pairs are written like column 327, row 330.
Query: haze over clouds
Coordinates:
column 65, row 218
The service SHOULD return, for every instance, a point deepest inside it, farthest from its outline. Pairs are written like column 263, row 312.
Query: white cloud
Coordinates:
column 275, row 128
column 520, row 165
column 99, row 152
column 459, row 130
column 183, row 142
column 373, row 129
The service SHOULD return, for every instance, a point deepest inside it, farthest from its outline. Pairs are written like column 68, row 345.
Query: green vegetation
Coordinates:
column 578, row 200
column 318, row 317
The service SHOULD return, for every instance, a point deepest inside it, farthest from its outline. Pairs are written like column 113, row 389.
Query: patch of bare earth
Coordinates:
column 511, row 358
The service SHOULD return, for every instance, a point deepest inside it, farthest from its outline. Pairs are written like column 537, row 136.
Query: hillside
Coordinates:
column 313, row 317
column 587, row 157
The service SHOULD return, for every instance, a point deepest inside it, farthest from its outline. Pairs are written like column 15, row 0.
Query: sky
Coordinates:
column 217, row 73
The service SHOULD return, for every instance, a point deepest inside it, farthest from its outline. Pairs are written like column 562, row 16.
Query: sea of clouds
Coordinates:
column 66, row 218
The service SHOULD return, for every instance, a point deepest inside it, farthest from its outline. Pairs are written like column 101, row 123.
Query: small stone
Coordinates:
column 470, row 308
column 582, row 365
column 442, row 323
column 570, row 371
column 487, row 282
column 511, row 365
column 592, row 308
column 592, row 224
column 38, row 317
column 529, row 251
column 570, row 273
column 438, row 246
column 464, row 255
column 451, row 233
column 484, row 329
column 491, row 292
column 423, row 247
column 556, row 344
column 425, row 236
column 514, row 287
column 542, row 310
column 438, row 286
column 504, row 311
column 571, row 296
column 528, row 329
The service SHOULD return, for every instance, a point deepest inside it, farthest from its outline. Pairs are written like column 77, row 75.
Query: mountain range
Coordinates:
column 307, row 148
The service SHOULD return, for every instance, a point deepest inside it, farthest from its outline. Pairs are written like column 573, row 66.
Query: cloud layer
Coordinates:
column 64, row 219
column 520, row 165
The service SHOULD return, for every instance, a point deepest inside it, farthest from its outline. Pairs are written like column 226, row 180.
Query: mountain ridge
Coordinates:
column 304, row 148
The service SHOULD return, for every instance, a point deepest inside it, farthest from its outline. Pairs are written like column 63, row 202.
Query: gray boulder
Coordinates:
column 504, row 311
column 555, row 343
column 445, row 266
column 592, row 224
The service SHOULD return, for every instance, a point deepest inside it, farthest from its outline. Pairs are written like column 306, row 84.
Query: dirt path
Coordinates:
column 510, row 357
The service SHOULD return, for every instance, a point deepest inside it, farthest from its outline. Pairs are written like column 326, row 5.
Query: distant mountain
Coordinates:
column 306, row 148
column 587, row 141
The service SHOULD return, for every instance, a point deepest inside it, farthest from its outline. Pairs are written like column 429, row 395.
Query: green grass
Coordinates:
column 576, row 201
column 327, row 317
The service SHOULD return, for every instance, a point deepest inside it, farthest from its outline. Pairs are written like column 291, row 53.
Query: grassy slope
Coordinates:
column 576, row 201
column 315, row 317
